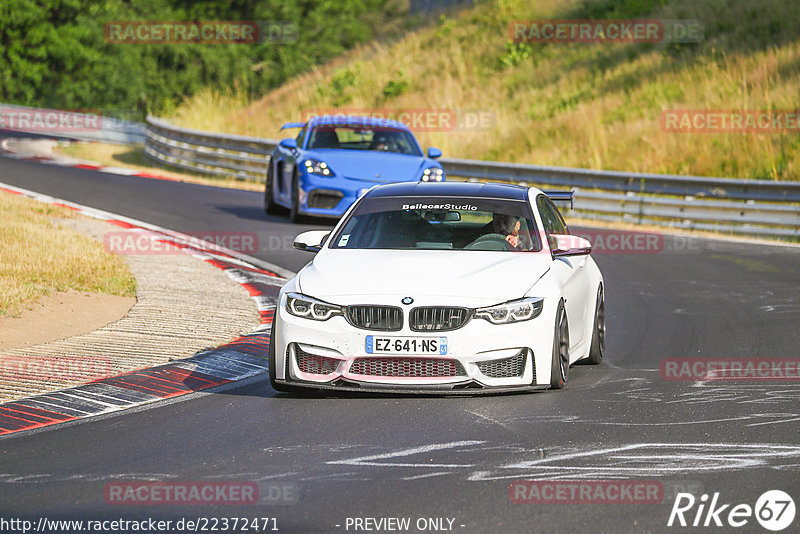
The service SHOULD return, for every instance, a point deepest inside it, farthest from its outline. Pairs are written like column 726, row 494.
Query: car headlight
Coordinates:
column 512, row 312
column 432, row 174
column 320, row 168
column 310, row 308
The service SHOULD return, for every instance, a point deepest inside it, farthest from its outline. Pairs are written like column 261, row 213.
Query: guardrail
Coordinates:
column 745, row 207
column 237, row 156
column 635, row 182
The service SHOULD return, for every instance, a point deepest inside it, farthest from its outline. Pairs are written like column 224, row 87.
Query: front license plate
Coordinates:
column 406, row 345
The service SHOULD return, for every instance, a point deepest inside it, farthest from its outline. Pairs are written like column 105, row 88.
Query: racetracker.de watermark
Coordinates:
column 622, row 241
column 53, row 121
column 586, row 492
column 697, row 369
column 199, row 493
column 135, row 243
column 606, row 31
column 200, row 32
column 55, row 368
column 611, row 241
column 730, row 121
column 417, row 119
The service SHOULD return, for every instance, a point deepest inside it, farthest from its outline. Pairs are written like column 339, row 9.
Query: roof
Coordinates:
column 450, row 189
column 356, row 121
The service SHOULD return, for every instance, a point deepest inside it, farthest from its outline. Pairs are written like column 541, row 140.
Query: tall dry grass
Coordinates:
column 584, row 105
column 38, row 256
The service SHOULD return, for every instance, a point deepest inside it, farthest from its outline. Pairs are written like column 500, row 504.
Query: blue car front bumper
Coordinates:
column 329, row 197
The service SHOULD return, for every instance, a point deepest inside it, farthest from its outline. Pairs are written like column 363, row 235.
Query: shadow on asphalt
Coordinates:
column 256, row 213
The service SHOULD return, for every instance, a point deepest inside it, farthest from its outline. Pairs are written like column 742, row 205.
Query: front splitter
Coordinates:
column 467, row 388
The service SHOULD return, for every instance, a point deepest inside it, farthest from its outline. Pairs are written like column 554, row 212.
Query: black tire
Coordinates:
column 559, row 367
column 598, row 348
column 294, row 213
column 277, row 386
column 270, row 206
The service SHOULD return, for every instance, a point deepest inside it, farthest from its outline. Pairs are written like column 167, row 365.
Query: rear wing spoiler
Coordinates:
column 293, row 125
column 561, row 196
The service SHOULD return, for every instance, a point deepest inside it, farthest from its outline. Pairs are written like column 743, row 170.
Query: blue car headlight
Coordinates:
column 513, row 311
column 320, row 168
column 310, row 308
column 432, row 174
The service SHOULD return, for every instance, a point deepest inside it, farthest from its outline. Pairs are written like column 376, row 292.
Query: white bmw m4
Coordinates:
column 440, row 288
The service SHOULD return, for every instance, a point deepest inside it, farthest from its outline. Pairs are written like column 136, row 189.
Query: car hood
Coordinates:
column 480, row 277
column 384, row 167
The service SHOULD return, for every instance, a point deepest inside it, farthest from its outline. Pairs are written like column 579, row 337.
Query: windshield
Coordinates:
column 357, row 137
column 424, row 223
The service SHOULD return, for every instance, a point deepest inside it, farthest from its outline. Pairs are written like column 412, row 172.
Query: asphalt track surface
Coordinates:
column 362, row 456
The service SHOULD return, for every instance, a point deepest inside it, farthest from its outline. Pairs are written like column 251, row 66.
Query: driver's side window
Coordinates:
column 300, row 138
column 551, row 219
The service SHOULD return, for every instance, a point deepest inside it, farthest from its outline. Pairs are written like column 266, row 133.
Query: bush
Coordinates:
column 53, row 52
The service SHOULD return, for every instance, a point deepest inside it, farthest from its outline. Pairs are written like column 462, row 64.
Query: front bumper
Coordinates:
column 329, row 197
column 333, row 354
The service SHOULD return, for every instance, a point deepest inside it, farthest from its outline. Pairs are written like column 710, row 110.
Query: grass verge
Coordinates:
column 133, row 157
column 38, row 256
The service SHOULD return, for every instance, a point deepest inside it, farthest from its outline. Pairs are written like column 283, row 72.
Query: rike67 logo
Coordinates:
column 774, row 510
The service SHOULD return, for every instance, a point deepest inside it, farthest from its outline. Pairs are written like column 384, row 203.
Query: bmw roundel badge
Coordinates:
column 407, row 300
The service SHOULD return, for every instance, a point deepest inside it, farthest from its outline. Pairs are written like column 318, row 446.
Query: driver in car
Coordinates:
column 380, row 142
column 508, row 226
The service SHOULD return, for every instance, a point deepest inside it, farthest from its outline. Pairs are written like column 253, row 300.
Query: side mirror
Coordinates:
column 311, row 241
column 568, row 245
column 289, row 143
column 434, row 153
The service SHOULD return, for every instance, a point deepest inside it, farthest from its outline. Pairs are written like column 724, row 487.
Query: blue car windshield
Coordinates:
column 425, row 223
column 357, row 137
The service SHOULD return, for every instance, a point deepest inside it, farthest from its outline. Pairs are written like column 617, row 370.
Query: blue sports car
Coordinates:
column 333, row 160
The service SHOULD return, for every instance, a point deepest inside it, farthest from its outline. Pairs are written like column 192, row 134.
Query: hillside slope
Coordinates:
column 585, row 105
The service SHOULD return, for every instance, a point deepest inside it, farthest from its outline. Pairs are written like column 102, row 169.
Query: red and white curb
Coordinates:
column 242, row 358
column 63, row 161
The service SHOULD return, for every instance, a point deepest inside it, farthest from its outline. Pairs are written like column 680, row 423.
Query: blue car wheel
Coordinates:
column 270, row 206
column 294, row 213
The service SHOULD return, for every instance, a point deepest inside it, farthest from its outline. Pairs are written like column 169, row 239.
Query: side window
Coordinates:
column 551, row 219
column 300, row 138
